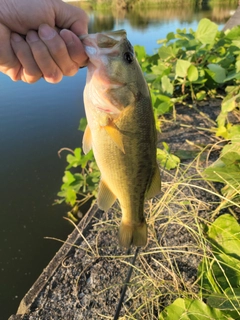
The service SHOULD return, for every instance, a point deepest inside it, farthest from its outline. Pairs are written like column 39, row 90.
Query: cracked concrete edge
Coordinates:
column 74, row 238
column 233, row 21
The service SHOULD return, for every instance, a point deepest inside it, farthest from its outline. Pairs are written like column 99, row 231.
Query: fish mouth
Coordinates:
column 94, row 42
column 106, row 40
column 98, row 47
column 111, row 38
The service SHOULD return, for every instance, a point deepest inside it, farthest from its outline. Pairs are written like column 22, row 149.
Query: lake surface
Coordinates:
column 35, row 122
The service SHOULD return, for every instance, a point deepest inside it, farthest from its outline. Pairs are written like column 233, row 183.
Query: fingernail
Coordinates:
column 16, row 37
column 67, row 37
column 32, row 36
column 46, row 33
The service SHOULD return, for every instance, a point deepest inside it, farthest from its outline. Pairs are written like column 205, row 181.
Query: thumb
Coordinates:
column 70, row 17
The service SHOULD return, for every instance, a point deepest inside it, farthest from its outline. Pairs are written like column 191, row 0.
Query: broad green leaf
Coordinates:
column 225, row 234
column 229, row 103
column 162, row 97
column 202, row 74
column 182, row 68
column 232, row 75
column 219, row 273
column 186, row 154
column 230, row 154
column 170, row 36
column 206, row 31
column 71, row 197
column 161, row 103
column 230, row 90
column 74, row 160
column 68, row 178
column 227, row 170
column 236, row 139
column 222, row 51
column 192, row 73
column 219, row 172
column 150, row 77
column 222, row 132
column 192, row 44
column 226, row 271
column 82, row 124
column 225, row 301
column 167, row 86
column 165, row 52
column 86, row 158
column 166, row 147
column 221, row 120
column 181, row 30
column 233, row 34
column 201, row 95
column 167, row 160
column 186, row 36
column 140, row 52
column 211, row 83
column 222, row 272
column 187, row 309
column 237, row 66
column 159, row 69
column 235, row 46
column 163, row 107
column 234, row 131
column 219, row 73
column 160, row 41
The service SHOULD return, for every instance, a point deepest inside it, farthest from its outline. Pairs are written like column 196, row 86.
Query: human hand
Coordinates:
column 45, row 52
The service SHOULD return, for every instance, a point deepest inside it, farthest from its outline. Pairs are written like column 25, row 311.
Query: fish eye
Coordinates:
column 128, row 57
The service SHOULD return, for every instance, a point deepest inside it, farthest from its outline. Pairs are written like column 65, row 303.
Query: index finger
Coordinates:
column 75, row 48
column 58, row 50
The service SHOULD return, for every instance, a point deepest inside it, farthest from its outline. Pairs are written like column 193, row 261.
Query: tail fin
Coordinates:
column 132, row 234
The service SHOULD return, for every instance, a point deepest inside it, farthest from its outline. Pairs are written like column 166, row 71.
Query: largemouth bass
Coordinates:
column 121, row 131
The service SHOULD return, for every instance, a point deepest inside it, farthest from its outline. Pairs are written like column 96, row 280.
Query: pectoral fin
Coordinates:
column 87, row 140
column 155, row 186
column 105, row 197
column 116, row 135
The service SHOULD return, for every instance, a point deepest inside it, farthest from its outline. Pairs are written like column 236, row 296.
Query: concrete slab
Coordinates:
column 233, row 21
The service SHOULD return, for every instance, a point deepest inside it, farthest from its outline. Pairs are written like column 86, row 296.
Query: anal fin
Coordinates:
column 155, row 186
column 105, row 197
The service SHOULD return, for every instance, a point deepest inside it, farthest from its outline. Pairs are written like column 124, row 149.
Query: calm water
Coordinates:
column 35, row 122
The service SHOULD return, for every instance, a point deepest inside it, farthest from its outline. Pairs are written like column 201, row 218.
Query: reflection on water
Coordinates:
column 35, row 122
column 145, row 25
column 146, row 16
